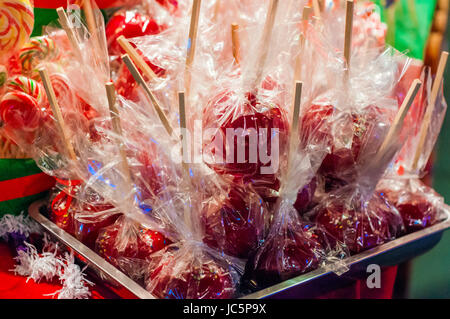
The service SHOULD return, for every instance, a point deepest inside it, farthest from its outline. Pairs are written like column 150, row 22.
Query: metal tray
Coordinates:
column 308, row 285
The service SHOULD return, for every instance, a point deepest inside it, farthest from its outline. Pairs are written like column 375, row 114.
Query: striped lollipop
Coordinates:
column 35, row 51
column 19, row 111
column 28, row 86
column 16, row 24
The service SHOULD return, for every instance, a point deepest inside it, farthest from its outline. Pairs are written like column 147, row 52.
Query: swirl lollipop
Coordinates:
column 35, row 51
column 28, row 86
column 20, row 111
column 16, row 24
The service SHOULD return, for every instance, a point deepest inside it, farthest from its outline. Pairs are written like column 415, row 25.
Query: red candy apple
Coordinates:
column 305, row 196
column 122, row 244
column 416, row 210
column 236, row 225
column 182, row 276
column 315, row 125
column 323, row 123
column 360, row 228
column 287, row 252
column 254, row 125
column 90, row 220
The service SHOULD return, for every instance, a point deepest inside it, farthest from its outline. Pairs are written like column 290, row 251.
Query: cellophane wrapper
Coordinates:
column 419, row 205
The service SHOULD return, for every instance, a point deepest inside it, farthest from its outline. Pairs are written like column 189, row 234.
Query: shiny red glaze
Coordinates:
column 87, row 227
column 314, row 125
column 416, row 210
column 287, row 254
column 305, row 196
column 142, row 242
column 248, row 115
column 339, row 167
column 235, row 226
column 206, row 281
column 417, row 214
column 358, row 230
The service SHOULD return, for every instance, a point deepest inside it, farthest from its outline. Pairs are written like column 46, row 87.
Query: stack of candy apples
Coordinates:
column 207, row 149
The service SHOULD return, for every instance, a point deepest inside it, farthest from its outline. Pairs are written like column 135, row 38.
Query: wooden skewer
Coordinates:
column 349, row 7
column 298, row 67
column 182, row 111
column 430, row 108
column 317, row 11
column 57, row 113
column 192, row 44
column 294, row 135
column 117, row 127
column 140, row 80
column 265, row 40
column 67, row 26
column 89, row 13
column 297, row 103
column 236, row 43
column 397, row 125
column 137, row 58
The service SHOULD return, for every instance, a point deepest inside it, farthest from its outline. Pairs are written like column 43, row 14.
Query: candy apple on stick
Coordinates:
column 94, row 215
column 188, row 268
column 126, row 244
column 418, row 204
column 291, row 248
column 355, row 214
column 346, row 120
column 242, row 111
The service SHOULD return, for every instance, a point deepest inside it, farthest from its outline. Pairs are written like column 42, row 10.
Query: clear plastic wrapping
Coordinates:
column 419, row 205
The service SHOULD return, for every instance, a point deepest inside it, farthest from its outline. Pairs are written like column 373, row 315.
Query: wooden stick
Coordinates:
column 294, row 135
column 192, row 44
column 349, row 7
column 265, row 40
column 298, row 66
column 67, row 26
column 317, row 11
column 117, row 128
column 89, row 13
column 137, row 58
column 236, row 43
column 57, row 113
column 297, row 103
column 140, row 80
column 430, row 108
column 397, row 125
column 182, row 111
